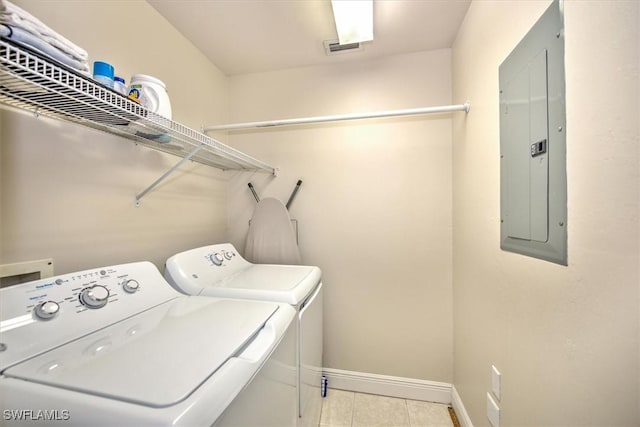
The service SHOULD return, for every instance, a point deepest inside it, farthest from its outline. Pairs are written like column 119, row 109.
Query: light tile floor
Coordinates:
column 346, row 408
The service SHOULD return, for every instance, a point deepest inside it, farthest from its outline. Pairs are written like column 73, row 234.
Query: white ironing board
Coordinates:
column 271, row 239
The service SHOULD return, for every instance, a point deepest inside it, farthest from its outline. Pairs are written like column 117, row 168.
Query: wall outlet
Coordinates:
column 493, row 411
column 495, row 382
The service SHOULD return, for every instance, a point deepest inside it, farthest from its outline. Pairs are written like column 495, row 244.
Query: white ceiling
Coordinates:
column 246, row 36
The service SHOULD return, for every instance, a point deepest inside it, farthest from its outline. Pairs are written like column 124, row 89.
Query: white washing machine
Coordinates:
column 219, row 271
column 119, row 346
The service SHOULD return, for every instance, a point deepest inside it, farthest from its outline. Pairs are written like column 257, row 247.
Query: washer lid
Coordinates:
column 156, row 358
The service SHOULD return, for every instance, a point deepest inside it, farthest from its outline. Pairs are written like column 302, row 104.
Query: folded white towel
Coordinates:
column 16, row 17
column 25, row 37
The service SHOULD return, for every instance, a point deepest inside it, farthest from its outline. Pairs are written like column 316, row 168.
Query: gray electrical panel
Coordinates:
column 533, row 182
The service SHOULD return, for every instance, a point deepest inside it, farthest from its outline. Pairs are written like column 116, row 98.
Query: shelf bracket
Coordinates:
column 192, row 153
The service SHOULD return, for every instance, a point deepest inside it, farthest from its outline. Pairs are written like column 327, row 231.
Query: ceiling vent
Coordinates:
column 333, row 47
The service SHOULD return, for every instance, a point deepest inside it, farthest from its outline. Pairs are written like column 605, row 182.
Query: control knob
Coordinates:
column 47, row 310
column 216, row 259
column 130, row 285
column 228, row 255
column 95, row 296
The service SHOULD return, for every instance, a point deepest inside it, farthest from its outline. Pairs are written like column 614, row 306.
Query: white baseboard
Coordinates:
column 458, row 406
column 405, row 388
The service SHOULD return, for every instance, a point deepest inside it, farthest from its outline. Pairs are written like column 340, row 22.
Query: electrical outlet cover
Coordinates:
column 495, row 382
column 493, row 411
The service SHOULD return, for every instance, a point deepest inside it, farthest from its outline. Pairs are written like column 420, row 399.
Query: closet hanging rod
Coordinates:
column 356, row 116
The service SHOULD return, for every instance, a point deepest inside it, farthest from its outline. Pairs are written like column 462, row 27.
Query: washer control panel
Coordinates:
column 44, row 313
column 77, row 292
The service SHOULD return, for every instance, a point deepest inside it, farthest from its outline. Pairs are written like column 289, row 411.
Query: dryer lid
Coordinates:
column 156, row 358
column 290, row 284
column 272, row 277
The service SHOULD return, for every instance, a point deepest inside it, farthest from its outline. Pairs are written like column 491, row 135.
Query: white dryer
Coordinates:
column 219, row 271
column 119, row 346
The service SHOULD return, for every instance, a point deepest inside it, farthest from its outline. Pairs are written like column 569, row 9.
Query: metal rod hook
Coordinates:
column 293, row 194
column 255, row 195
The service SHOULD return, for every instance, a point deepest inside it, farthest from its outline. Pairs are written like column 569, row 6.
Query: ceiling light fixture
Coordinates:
column 354, row 20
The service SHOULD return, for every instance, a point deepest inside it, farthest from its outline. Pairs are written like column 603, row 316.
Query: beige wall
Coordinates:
column 374, row 209
column 566, row 339
column 68, row 192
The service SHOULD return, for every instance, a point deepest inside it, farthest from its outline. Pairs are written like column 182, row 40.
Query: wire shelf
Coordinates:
column 31, row 81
